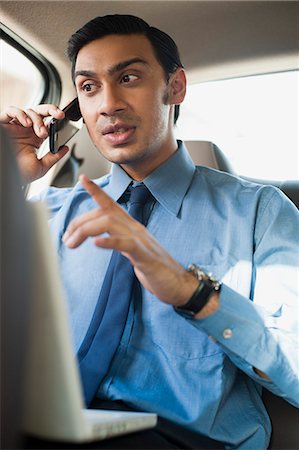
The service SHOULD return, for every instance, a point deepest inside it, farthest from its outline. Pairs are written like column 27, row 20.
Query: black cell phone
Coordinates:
column 61, row 131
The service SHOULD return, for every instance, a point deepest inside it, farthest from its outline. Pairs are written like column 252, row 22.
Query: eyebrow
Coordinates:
column 112, row 70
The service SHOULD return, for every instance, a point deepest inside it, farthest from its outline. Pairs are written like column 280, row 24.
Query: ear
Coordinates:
column 177, row 87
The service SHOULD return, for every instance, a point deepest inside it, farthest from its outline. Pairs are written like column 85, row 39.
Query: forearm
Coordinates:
column 265, row 354
column 212, row 306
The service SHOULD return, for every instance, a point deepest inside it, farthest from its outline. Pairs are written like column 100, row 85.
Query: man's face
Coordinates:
column 125, row 102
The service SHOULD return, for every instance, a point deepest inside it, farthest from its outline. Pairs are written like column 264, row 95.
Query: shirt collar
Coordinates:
column 118, row 183
column 168, row 183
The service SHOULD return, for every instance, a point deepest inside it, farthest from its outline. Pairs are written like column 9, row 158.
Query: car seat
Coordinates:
column 284, row 417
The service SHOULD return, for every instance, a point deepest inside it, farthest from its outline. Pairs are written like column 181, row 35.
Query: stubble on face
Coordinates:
column 148, row 147
column 145, row 109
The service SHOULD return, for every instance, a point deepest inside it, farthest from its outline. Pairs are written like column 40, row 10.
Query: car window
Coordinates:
column 22, row 83
column 253, row 120
column 27, row 77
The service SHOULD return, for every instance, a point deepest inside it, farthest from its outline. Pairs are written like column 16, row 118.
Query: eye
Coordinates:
column 88, row 87
column 129, row 78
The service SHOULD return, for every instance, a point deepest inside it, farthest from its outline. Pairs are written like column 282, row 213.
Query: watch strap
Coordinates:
column 206, row 287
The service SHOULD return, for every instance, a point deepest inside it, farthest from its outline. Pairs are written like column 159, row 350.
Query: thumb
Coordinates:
column 52, row 158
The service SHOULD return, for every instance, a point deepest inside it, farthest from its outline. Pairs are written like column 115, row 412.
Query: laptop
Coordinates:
column 53, row 403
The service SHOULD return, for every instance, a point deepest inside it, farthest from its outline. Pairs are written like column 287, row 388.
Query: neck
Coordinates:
column 141, row 169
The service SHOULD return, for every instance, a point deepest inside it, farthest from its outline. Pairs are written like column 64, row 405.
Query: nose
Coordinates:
column 111, row 101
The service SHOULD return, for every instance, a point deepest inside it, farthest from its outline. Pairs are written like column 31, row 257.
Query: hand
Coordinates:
column 28, row 131
column 156, row 270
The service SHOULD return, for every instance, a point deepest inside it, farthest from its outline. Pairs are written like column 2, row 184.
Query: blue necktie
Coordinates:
column 109, row 318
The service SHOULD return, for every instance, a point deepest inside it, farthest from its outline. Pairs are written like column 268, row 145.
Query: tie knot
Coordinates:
column 139, row 194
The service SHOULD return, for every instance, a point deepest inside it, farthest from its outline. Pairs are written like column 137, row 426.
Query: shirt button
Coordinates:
column 227, row 333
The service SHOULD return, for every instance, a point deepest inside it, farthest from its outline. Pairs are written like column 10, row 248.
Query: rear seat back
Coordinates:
column 205, row 153
column 284, row 417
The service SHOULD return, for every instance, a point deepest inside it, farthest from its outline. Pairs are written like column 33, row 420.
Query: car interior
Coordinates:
column 218, row 40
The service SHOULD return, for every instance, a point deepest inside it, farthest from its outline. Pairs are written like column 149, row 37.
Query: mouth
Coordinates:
column 118, row 134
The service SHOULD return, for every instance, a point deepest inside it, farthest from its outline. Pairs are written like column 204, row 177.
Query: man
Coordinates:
column 193, row 350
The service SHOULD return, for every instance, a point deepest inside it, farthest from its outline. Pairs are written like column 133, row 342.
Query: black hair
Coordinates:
column 164, row 47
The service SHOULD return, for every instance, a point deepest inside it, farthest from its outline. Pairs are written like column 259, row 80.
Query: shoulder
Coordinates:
column 57, row 198
column 229, row 184
column 264, row 201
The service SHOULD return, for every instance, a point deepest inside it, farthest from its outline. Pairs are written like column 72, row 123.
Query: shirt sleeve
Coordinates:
column 53, row 197
column 263, row 331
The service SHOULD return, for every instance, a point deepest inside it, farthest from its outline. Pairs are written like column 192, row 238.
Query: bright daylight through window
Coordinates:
column 253, row 120
column 21, row 82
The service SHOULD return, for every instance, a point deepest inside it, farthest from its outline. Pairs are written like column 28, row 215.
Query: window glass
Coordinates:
column 253, row 120
column 21, row 82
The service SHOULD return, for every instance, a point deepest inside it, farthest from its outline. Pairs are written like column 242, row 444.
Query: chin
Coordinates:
column 121, row 155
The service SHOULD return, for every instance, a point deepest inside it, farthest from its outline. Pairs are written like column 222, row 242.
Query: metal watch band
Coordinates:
column 207, row 285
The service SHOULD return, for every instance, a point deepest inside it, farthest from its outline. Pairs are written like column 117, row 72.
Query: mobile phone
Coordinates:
column 61, row 131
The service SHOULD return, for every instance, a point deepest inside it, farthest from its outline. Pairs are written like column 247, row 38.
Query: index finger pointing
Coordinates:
column 97, row 193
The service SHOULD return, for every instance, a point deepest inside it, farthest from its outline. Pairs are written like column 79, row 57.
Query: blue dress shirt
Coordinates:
column 199, row 373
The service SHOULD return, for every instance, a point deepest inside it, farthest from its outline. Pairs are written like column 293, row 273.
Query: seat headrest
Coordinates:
column 205, row 153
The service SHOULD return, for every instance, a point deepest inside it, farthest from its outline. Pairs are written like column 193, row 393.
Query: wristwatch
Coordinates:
column 207, row 286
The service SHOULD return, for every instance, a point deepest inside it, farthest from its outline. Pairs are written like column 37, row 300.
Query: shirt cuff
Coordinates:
column 238, row 326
